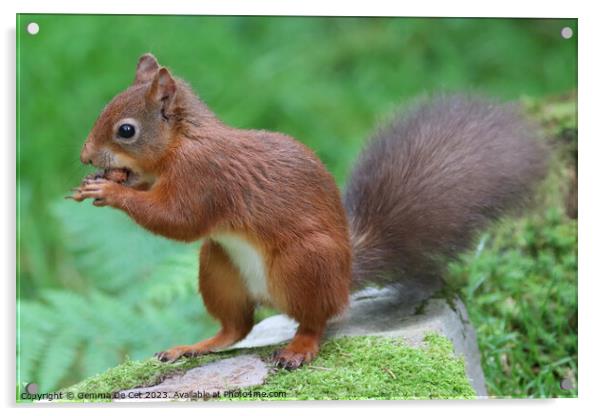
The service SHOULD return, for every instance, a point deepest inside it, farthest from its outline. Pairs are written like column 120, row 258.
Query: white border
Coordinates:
column 590, row 209
column 509, row 8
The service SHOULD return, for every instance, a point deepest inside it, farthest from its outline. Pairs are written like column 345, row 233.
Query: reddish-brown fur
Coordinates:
column 205, row 178
column 420, row 191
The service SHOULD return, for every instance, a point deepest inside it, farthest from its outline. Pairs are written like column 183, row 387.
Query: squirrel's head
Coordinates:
column 135, row 129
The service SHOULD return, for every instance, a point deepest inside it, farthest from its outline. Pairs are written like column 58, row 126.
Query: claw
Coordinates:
column 162, row 356
column 94, row 181
column 289, row 360
column 76, row 197
column 176, row 353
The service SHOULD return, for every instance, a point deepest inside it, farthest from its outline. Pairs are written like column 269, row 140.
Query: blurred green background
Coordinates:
column 93, row 288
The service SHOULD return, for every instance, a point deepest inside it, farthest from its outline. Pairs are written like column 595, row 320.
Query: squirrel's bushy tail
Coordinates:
column 430, row 180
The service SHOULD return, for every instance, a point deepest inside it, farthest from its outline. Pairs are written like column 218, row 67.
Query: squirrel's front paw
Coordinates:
column 92, row 176
column 104, row 192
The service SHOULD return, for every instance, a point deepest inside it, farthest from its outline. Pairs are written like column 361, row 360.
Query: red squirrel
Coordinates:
column 274, row 225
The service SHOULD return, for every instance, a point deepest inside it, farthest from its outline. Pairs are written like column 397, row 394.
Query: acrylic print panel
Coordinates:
column 102, row 289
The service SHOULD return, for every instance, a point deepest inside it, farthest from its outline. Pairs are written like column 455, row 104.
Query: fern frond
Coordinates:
column 109, row 248
column 59, row 357
column 175, row 277
column 66, row 336
column 142, row 298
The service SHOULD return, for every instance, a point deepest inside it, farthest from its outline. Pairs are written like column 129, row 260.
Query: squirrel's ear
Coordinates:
column 147, row 68
column 163, row 89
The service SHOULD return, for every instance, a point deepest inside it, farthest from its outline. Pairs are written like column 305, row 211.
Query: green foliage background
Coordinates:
column 94, row 289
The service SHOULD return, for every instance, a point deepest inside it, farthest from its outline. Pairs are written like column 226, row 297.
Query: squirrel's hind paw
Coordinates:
column 175, row 353
column 291, row 360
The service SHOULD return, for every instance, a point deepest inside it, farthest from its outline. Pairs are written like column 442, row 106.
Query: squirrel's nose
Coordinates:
column 85, row 156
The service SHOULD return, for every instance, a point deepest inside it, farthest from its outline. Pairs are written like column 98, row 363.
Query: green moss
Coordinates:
column 347, row 368
column 555, row 114
column 374, row 368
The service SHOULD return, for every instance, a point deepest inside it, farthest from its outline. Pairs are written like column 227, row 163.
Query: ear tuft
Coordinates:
column 147, row 68
column 162, row 90
column 166, row 84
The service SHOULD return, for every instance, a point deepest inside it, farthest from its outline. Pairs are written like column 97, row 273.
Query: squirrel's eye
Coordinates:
column 126, row 131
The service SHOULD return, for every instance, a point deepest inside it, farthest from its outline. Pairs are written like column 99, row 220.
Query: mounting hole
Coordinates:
column 31, row 388
column 33, row 28
column 566, row 32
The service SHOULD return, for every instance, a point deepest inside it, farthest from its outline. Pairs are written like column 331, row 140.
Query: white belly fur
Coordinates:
column 249, row 262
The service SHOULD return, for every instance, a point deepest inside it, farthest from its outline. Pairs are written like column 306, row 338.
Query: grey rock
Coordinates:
column 205, row 381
